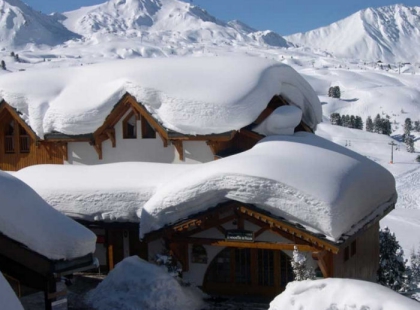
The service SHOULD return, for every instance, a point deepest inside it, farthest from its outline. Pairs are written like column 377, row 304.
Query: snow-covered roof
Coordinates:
column 303, row 178
column 189, row 95
column 26, row 218
column 340, row 294
column 110, row 192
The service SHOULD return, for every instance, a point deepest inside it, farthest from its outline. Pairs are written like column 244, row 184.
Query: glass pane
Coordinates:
column 243, row 266
column 266, row 267
column 219, row 270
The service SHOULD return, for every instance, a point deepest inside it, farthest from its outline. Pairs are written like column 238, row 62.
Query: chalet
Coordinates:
column 140, row 118
column 40, row 245
column 232, row 223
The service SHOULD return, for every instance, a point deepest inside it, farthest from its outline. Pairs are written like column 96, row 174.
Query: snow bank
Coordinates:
column 282, row 121
column 340, row 294
column 8, row 298
column 111, row 192
column 28, row 219
column 137, row 284
column 188, row 95
column 303, row 178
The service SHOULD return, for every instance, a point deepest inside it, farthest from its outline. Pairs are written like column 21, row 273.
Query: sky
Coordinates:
column 282, row 16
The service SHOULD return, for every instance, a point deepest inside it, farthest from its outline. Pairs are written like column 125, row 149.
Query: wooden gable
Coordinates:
column 22, row 147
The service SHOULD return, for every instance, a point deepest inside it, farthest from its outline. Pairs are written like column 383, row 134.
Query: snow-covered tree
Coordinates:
column 415, row 267
column 300, row 270
column 358, row 123
column 335, row 119
column 417, row 126
column 408, row 126
column 409, row 142
column 386, row 126
column 369, row 124
column 392, row 269
column 377, row 124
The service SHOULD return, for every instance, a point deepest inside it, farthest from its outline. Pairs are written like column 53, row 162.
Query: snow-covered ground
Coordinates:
column 340, row 294
column 8, row 297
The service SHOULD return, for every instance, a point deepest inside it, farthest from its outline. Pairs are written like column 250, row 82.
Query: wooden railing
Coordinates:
column 9, row 146
column 24, row 143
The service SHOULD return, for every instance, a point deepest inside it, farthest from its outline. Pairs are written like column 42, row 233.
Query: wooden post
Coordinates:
column 325, row 261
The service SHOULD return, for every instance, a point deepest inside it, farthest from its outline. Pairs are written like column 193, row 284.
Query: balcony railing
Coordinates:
column 24, row 144
column 9, row 145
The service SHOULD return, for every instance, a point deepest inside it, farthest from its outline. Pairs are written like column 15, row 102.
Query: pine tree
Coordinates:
column 336, row 92
column 330, row 91
column 408, row 126
column 343, row 120
column 415, row 267
column 409, row 142
column 417, row 126
column 377, row 124
column 3, row 65
column 335, row 119
column 369, row 124
column 358, row 123
column 300, row 270
column 392, row 269
column 386, row 126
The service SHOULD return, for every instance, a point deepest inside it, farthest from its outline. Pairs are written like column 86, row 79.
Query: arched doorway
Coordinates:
column 242, row 271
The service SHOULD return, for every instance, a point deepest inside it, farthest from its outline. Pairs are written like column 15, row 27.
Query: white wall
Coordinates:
column 145, row 150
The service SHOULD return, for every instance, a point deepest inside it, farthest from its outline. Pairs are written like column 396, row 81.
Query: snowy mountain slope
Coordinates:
column 21, row 25
column 390, row 33
column 166, row 20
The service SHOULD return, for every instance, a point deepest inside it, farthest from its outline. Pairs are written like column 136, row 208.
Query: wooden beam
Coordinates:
column 249, row 245
column 63, row 148
column 325, row 262
column 179, row 147
column 98, row 148
column 110, row 133
column 180, row 251
column 289, row 228
column 260, row 231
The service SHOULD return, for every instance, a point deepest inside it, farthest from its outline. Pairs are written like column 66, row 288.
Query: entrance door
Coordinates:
column 258, row 272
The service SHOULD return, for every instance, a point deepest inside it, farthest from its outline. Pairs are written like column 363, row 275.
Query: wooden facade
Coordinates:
column 260, row 264
column 116, row 241
column 20, row 147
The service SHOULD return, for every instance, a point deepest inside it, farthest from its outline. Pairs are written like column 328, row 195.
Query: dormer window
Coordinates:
column 9, row 138
column 130, row 127
column 147, row 131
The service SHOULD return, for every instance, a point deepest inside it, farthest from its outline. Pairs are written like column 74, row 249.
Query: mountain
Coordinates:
column 169, row 21
column 20, row 25
column 390, row 34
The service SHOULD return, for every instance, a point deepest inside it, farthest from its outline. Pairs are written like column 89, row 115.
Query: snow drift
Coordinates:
column 303, row 178
column 26, row 218
column 340, row 294
column 137, row 284
column 111, row 192
column 8, row 298
column 187, row 95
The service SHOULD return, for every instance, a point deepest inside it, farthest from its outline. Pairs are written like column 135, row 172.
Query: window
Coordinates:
column 9, row 140
column 353, row 248
column 24, row 142
column 130, row 127
column 346, row 254
column 147, row 131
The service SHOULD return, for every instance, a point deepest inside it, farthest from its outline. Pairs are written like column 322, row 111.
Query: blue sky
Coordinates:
column 283, row 16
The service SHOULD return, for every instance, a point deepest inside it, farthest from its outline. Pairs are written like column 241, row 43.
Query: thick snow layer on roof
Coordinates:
column 282, row 121
column 137, row 284
column 340, row 294
column 25, row 217
column 8, row 298
column 189, row 95
column 303, row 178
column 111, row 192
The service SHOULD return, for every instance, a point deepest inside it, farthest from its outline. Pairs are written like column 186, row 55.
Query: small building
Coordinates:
column 39, row 245
column 233, row 224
